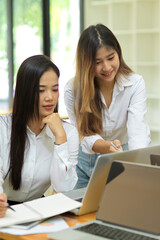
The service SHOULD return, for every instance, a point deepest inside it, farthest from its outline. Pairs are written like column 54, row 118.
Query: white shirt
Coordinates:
column 125, row 118
column 44, row 162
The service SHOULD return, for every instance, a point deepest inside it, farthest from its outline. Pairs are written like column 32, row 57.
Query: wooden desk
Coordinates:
column 69, row 218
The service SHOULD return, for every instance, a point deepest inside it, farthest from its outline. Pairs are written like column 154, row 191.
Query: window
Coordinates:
column 23, row 35
column 64, row 22
column 4, row 83
column 27, row 30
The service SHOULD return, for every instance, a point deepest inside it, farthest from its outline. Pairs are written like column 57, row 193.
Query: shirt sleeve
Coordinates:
column 1, row 161
column 88, row 142
column 69, row 101
column 63, row 168
column 1, row 173
column 138, row 130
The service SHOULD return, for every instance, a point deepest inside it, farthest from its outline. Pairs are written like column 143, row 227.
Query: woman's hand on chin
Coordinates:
column 55, row 124
column 3, row 204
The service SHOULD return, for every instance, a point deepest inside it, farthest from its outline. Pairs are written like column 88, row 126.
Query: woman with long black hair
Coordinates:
column 37, row 148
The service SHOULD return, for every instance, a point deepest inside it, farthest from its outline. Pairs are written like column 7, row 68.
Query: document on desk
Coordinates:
column 39, row 209
column 52, row 224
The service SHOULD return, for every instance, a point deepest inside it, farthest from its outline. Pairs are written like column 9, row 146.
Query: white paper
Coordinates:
column 50, row 225
column 22, row 214
column 53, row 205
column 39, row 209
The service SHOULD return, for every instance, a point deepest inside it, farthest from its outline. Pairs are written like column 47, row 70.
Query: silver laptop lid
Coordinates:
column 131, row 197
column 141, row 155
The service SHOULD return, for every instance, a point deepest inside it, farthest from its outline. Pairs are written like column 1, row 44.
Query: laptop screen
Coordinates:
column 131, row 197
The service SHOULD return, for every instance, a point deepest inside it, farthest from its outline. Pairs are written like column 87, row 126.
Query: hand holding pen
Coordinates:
column 11, row 208
column 115, row 147
column 3, row 204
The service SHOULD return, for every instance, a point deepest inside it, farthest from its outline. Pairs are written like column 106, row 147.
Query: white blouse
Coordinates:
column 125, row 118
column 44, row 162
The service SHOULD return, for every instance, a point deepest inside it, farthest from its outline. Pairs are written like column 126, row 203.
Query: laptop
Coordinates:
column 128, row 209
column 90, row 196
column 141, row 155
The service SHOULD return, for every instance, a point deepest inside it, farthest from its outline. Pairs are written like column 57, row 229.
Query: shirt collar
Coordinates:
column 45, row 131
column 48, row 132
column 123, row 81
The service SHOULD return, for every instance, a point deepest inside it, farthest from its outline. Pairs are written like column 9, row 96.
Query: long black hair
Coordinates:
column 25, row 107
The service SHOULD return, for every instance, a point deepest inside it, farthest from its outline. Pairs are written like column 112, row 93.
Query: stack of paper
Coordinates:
column 52, row 224
column 39, row 209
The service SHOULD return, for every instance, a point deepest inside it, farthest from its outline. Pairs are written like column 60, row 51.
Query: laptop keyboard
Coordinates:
column 111, row 233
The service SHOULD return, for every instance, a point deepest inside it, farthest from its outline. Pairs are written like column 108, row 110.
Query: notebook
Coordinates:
column 26, row 225
column 38, row 209
column 128, row 209
column 91, row 195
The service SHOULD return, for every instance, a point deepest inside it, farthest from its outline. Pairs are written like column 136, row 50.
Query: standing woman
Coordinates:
column 37, row 148
column 106, row 100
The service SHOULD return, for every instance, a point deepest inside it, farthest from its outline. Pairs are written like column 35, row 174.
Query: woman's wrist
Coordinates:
column 60, row 139
column 108, row 144
column 101, row 146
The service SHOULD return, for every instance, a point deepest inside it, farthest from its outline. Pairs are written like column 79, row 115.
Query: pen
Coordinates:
column 113, row 145
column 11, row 208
